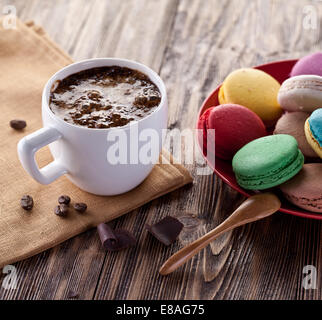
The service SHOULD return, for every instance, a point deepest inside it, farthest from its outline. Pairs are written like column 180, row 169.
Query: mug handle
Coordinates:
column 29, row 145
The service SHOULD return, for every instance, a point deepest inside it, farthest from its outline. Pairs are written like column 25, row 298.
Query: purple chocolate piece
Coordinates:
column 166, row 230
column 311, row 64
column 115, row 240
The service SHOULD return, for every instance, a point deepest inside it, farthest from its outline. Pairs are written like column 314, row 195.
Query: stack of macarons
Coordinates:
column 252, row 105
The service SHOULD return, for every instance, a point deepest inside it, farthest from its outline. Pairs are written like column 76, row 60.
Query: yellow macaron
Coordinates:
column 254, row 89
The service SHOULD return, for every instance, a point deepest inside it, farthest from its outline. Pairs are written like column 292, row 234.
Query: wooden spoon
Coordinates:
column 254, row 208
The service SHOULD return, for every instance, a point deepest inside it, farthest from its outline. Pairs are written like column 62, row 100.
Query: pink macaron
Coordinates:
column 234, row 126
column 311, row 64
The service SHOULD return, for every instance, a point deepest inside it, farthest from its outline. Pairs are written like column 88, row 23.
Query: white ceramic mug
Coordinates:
column 81, row 152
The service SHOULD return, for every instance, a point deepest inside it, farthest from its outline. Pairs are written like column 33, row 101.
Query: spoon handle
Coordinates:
column 186, row 253
column 254, row 208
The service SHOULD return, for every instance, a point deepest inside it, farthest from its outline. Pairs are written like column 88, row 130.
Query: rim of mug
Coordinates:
column 161, row 87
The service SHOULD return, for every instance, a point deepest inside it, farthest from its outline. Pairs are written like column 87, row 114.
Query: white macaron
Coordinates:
column 301, row 93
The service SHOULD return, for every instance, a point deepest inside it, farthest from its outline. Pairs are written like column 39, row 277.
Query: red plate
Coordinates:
column 280, row 70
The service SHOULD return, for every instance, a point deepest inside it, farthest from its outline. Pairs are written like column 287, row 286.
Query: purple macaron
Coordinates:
column 311, row 64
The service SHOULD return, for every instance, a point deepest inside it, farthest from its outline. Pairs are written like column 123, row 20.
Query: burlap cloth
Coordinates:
column 27, row 60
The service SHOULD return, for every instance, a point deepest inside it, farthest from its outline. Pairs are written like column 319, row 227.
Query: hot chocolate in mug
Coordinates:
column 89, row 156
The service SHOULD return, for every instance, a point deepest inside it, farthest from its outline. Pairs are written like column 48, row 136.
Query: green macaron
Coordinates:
column 267, row 162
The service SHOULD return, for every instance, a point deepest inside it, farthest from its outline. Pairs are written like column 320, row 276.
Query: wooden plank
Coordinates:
column 128, row 29
column 88, row 29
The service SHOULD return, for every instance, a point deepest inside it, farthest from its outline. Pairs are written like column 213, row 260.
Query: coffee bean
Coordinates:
column 18, row 124
column 80, row 207
column 27, row 202
column 64, row 200
column 61, row 210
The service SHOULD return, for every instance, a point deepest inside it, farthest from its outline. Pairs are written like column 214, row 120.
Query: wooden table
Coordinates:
column 193, row 44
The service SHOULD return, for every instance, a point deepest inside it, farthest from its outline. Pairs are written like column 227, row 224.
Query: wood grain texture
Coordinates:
column 194, row 45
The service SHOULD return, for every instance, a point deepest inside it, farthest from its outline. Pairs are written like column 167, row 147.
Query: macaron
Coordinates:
column 255, row 90
column 292, row 123
column 313, row 131
column 301, row 93
column 267, row 162
column 234, row 126
column 305, row 189
column 310, row 64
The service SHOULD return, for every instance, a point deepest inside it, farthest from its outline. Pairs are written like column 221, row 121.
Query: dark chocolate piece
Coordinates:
column 80, row 207
column 166, row 230
column 115, row 240
column 61, row 210
column 18, row 124
column 64, row 199
column 72, row 295
column 27, row 202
